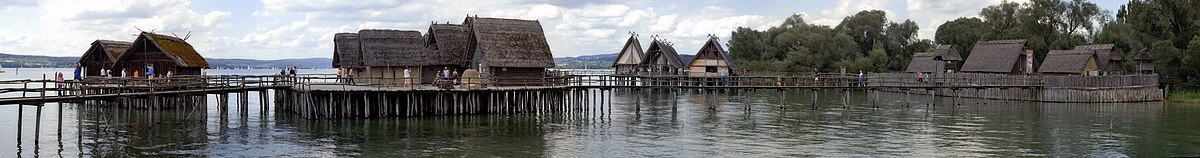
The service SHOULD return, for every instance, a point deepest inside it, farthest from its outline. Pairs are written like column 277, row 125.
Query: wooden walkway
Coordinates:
column 96, row 88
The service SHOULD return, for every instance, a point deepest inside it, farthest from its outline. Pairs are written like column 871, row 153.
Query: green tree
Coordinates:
column 962, row 33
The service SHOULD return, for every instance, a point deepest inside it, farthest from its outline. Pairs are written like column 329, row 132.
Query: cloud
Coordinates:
column 929, row 14
column 75, row 23
column 9, row 4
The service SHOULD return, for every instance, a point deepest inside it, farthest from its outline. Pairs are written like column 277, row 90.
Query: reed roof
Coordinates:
column 510, row 42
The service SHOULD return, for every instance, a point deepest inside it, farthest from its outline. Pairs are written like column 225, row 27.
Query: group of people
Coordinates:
column 60, row 80
column 446, row 76
column 345, row 77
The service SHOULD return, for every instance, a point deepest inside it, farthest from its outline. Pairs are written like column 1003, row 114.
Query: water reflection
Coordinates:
column 645, row 123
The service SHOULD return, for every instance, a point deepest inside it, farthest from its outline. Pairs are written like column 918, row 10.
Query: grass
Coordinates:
column 1184, row 96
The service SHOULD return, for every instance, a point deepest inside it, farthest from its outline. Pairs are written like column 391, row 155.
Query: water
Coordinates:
column 701, row 124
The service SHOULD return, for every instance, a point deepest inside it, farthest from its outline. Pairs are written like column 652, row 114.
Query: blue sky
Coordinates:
column 284, row 29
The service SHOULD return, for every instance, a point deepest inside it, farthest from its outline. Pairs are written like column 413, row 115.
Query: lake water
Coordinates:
column 763, row 123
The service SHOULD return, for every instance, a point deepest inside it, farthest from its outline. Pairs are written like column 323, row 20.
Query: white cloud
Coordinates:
column 929, row 14
column 9, row 4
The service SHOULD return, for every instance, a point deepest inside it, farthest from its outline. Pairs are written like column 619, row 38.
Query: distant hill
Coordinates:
column 598, row 61
column 34, row 61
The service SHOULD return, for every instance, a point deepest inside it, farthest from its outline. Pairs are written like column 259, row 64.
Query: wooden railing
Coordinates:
column 33, row 89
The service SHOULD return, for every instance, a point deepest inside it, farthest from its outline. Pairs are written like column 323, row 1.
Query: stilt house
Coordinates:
column 102, row 55
column 629, row 57
column 347, row 55
column 165, row 53
column 711, row 61
column 386, row 53
column 509, row 51
column 1000, row 57
column 1107, row 59
column 447, row 47
column 1145, row 61
column 1078, row 62
column 661, row 59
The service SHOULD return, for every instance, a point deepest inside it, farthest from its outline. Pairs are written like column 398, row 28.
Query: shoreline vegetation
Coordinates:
column 869, row 41
column 1184, row 96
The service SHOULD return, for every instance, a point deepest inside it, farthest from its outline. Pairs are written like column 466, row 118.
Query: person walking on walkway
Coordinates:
column 78, row 70
column 860, row 78
column 407, row 77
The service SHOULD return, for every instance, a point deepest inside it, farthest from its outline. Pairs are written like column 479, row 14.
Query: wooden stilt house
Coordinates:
column 942, row 60
column 448, row 49
column 1078, row 62
column 102, row 55
column 164, row 53
column 661, row 59
column 1145, row 61
column 1000, row 57
column 386, row 53
column 711, row 61
column 509, row 51
column 629, row 57
column 1107, row 58
column 347, row 54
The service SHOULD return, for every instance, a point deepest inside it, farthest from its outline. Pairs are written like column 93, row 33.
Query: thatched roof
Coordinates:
column 1067, row 61
column 1145, row 55
column 925, row 62
column 108, row 48
column 183, row 54
column 393, row 48
column 1107, row 58
column 999, row 56
column 632, row 49
column 1104, row 52
column 346, row 50
column 947, row 53
column 449, row 44
column 662, row 54
column 510, row 43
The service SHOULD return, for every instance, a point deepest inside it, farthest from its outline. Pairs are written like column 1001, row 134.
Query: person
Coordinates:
column 78, row 72
column 204, row 72
column 350, row 76
column 124, row 72
column 445, row 74
column 150, row 71
column 407, row 77
column 169, row 74
column 293, row 71
column 436, row 78
column 107, row 73
column 860, row 78
column 102, row 73
column 136, row 73
column 816, row 77
column 454, row 76
column 58, row 79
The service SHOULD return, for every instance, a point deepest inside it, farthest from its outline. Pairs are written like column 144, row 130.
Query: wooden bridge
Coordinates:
column 34, row 92
column 327, row 95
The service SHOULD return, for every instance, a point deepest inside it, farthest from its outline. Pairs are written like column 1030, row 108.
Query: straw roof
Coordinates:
column 1067, row 61
column 947, row 53
column 1145, row 55
column 999, row 56
column 182, row 53
column 346, row 50
column 510, row 43
column 632, row 48
column 109, row 48
column 393, row 48
column 1107, row 58
column 925, row 62
column 661, row 54
column 449, row 44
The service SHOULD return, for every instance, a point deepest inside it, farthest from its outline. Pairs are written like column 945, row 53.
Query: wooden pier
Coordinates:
column 327, row 96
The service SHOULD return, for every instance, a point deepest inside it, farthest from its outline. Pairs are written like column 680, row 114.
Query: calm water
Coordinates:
column 701, row 124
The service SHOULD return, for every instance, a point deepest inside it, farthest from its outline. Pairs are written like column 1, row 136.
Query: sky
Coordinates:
column 289, row 29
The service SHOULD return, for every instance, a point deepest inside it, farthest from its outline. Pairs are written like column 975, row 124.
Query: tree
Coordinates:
column 962, row 33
